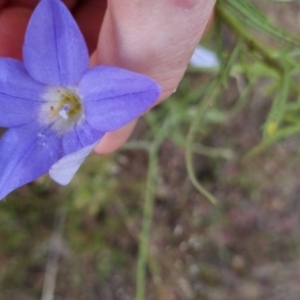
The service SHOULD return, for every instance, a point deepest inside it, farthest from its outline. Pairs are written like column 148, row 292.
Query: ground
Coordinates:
column 244, row 247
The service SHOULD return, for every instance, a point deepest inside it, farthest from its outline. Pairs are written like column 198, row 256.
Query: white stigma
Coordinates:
column 64, row 112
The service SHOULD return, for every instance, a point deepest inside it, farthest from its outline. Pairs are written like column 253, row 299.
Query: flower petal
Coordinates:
column 204, row 58
column 26, row 152
column 54, row 51
column 64, row 170
column 19, row 94
column 113, row 97
column 81, row 136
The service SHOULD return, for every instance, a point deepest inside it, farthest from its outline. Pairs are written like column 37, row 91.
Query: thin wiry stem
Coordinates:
column 149, row 206
column 55, row 251
column 190, row 141
column 146, row 225
column 252, row 42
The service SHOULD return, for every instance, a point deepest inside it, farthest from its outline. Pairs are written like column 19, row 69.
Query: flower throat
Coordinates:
column 62, row 107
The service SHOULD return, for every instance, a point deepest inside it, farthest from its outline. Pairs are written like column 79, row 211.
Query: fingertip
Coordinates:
column 159, row 47
column 112, row 141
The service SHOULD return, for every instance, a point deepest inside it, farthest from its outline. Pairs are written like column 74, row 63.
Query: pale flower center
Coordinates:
column 61, row 107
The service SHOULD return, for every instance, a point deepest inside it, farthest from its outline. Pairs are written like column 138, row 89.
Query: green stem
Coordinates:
column 209, row 99
column 252, row 42
column 211, row 94
column 253, row 17
column 146, row 225
column 284, row 133
column 247, row 37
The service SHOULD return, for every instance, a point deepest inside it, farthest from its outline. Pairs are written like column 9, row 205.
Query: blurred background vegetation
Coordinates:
column 202, row 202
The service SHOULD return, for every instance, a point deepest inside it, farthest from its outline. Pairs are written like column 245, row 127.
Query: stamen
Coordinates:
column 62, row 107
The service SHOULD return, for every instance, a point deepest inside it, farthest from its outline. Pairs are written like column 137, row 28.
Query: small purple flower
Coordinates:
column 56, row 108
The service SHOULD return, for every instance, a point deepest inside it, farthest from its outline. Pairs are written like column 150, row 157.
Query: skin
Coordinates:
column 155, row 38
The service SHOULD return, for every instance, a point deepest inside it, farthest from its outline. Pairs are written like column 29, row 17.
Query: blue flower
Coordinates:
column 56, row 108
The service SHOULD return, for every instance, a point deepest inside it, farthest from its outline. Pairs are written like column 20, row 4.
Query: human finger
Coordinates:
column 155, row 38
